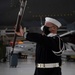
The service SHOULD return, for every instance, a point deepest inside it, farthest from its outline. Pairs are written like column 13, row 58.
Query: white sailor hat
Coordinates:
column 54, row 21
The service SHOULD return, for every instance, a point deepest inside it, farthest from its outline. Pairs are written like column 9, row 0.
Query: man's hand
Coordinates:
column 21, row 32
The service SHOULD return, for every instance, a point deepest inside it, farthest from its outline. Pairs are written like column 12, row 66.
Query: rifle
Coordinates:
column 19, row 20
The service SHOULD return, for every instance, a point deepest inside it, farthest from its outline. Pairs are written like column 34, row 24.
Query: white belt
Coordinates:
column 48, row 65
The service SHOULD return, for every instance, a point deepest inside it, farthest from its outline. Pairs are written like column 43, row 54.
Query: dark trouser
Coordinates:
column 47, row 71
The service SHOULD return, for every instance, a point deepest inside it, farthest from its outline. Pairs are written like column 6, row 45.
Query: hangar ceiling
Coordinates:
column 60, row 9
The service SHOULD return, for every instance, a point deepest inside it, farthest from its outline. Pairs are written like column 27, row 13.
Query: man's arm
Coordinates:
column 34, row 37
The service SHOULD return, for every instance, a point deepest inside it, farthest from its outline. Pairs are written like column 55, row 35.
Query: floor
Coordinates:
column 27, row 67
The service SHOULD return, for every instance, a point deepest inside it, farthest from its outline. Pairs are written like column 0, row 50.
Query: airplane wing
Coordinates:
column 69, row 40
column 68, row 36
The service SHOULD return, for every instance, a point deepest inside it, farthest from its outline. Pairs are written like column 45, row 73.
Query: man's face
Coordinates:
column 52, row 27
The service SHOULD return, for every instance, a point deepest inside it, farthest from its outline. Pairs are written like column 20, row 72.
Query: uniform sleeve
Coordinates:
column 36, row 37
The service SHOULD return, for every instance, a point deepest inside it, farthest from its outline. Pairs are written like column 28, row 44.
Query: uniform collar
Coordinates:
column 51, row 35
